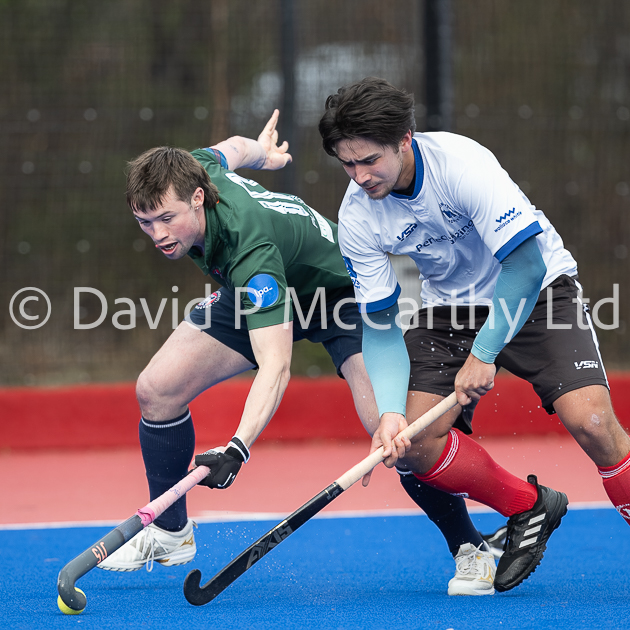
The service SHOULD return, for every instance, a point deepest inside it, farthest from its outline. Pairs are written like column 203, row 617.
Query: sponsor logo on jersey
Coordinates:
column 407, row 231
column 210, row 300
column 507, row 218
column 263, row 290
column 449, row 214
column 586, row 365
column 463, row 232
column 351, row 272
column 503, row 217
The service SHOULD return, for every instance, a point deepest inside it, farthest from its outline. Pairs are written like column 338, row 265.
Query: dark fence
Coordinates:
column 87, row 86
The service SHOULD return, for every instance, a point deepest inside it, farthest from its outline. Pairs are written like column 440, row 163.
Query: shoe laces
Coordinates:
column 146, row 546
column 151, row 542
column 468, row 564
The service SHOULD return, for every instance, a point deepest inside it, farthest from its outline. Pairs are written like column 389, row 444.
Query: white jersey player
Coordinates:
column 445, row 201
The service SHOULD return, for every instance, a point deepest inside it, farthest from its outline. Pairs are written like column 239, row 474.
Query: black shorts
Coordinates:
column 554, row 361
column 339, row 343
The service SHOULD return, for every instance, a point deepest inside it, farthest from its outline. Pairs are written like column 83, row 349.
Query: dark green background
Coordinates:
column 544, row 84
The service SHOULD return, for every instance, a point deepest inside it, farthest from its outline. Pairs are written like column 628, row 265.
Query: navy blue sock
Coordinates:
column 448, row 512
column 167, row 449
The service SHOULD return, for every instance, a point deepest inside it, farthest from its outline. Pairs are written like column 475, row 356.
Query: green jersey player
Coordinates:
column 271, row 253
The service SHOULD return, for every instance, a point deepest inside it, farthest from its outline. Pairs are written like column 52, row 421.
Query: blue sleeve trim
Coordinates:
column 220, row 157
column 419, row 173
column 517, row 239
column 381, row 305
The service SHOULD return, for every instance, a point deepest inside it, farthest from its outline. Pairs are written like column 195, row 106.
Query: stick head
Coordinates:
column 192, row 591
column 76, row 604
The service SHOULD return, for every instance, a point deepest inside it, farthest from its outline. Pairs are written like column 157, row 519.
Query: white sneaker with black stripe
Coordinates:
column 475, row 570
column 527, row 536
column 153, row 544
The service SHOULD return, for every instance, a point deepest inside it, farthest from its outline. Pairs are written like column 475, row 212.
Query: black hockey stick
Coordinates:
column 200, row 595
column 71, row 600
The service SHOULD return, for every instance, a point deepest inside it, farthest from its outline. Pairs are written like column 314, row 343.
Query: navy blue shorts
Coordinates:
column 339, row 343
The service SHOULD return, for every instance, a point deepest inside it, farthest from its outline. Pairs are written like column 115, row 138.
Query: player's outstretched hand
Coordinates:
column 224, row 464
column 276, row 156
column 386, row 436
column 474, row 380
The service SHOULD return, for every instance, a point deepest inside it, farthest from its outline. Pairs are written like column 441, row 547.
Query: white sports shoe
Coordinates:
column 153, row 543
column 475, row 572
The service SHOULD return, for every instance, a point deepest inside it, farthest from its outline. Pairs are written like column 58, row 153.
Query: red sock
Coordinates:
column 466, row 469
column 617, row 485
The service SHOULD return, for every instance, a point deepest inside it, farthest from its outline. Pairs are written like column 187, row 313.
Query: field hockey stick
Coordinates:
column 72, row 600
column 200, row 595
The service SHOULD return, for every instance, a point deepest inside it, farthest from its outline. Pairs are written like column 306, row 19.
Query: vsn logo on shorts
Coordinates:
column 263, row 290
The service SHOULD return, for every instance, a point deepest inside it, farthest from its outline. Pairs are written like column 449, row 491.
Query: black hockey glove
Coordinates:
column 223, row 466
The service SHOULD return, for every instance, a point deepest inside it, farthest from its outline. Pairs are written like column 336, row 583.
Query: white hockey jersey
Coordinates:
column 463, row 218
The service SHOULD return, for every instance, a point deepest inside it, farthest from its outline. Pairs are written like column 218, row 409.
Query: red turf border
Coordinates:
column 102, row 416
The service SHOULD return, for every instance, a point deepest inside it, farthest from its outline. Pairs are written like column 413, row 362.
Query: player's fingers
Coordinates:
column 390, row 462
column 284, row 147
column 390, row 459
column 272, row 122
column 401, row 446
column 463, row 399
column 366, row 479
column 396, row 445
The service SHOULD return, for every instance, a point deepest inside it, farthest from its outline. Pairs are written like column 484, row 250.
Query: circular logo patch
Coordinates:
column 263, row 290
column 210, row 300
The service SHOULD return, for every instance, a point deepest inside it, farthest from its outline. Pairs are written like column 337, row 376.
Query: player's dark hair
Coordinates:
column 150, row 176
column 373, row 109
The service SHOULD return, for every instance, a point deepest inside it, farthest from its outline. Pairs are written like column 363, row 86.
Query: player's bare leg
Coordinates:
column 588, row 415
column 188, row 363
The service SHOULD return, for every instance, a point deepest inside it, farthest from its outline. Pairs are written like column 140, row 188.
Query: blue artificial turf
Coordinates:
column 338, row 573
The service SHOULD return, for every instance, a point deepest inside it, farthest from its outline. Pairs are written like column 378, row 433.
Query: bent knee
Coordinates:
column 603, row 439
column 145, row 390
column 596, row 428
column 155, row 395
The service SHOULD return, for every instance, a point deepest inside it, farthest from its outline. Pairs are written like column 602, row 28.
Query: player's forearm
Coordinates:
column 242, row 152
column 517, row 289
column 264, row 397
column 386, row 360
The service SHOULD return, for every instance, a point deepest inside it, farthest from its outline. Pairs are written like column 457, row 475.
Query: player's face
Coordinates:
column 377, row 169
column 177, row 225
